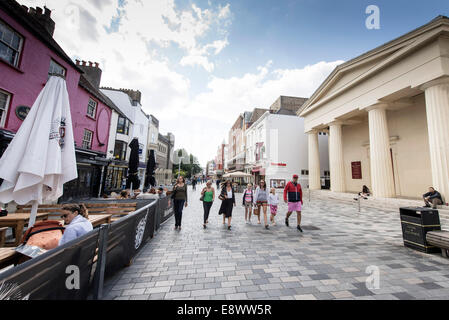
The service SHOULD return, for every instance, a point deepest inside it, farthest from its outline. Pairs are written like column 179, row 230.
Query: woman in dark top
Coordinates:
column 179, row 196
column 227, row 197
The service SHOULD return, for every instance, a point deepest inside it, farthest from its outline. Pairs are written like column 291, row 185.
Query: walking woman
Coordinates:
column 261, row 201
column 179, row 196
column 227, row 197
column 208, row 196
column 248, row 199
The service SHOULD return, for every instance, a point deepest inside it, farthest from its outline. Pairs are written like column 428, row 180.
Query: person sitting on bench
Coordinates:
column 432, row 198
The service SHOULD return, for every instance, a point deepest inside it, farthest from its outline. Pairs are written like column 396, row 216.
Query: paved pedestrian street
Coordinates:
column 338, row 252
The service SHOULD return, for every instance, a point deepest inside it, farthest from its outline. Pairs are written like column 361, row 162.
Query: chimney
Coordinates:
column 134, row 95
column 44, row 18
column 92, row 72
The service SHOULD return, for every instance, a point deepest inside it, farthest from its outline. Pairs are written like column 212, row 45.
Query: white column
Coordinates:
column 382, row 179
column 314, row 161
column 437, row 109
column 336, row 160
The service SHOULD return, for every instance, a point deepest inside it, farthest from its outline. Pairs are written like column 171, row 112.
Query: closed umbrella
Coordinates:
column 133, row 168
column 151, row 167
column 41, row 157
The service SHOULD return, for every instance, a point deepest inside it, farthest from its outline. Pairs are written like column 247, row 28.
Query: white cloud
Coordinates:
column 199, row 122
column 209, row 116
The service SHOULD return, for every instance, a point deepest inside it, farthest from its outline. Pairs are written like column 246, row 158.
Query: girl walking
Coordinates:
column 208, row 195
column 180, row 200
column 227, row 197
column 248, row 199
column 273, row 201
column 261, row 201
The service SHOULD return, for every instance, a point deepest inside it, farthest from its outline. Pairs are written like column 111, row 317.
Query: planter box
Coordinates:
column 416, row 222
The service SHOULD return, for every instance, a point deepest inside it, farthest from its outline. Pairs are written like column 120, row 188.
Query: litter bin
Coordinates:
column 416, row 222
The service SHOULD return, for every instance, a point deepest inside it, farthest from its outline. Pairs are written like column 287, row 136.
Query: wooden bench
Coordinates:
column 8, row 257
column 3, row 237
column 439, row 239
column 117, row 210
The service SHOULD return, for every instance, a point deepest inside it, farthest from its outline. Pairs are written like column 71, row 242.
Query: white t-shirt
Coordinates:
column 229, row 194
column 273, row 199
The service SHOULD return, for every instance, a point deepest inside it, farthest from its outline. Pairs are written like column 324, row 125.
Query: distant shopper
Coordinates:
column 432, row 198
column 76, row 222
column 261, row 201
column 161, row 193
column 248, row 199
column 179, row 196
column 124, row 194
column 194, row 182
column 273, row 201
column 218, row 183
column 227, row 197
column 293, row 196
column 208, row 194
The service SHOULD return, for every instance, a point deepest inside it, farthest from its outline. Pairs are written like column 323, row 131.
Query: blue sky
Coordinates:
column 295, row 33
column 200, row 63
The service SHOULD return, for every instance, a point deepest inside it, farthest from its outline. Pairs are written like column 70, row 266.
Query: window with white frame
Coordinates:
column 87, row 139
column 56, row 68
column 4, row 103
column 92, row 108
column 10, row 44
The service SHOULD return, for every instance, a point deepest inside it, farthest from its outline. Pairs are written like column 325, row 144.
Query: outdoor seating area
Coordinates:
column 118, row 240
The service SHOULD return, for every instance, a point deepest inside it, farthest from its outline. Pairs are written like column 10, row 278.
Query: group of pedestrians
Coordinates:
column 255, row 201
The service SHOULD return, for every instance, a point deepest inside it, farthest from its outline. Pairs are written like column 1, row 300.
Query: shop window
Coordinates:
column 120, row 150
column 92, row 108
column 56, row 68
column 10, row 45
column 87, row 139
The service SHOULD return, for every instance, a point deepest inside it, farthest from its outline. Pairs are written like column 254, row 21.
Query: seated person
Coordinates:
column 75, row 221
column 123, row 195
column 432, row 198
column 150, row 195
column 161, row 193
column 364, row 194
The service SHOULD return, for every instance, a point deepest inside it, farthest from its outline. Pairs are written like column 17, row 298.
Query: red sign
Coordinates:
column 356, row 170
column 279, row 164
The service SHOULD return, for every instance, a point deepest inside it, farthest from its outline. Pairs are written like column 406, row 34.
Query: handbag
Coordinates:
column 202, row 196
column 256, row 211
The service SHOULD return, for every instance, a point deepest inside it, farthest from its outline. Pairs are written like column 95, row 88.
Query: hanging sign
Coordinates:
column 22, row 112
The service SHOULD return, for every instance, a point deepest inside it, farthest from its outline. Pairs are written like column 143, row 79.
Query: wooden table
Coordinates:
column 17, row 221
column 2, row 237
column 8, row 256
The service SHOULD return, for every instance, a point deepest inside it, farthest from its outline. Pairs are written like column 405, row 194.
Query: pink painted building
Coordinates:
column 28, row 54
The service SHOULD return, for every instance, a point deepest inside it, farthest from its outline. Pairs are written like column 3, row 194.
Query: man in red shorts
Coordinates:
column 293, row 196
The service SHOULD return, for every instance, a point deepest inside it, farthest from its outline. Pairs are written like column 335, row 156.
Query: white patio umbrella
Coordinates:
column 41, row 157
column 237, row 175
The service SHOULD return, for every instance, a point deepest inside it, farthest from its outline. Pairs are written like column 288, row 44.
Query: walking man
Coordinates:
column 194, row 181
column 293, row 196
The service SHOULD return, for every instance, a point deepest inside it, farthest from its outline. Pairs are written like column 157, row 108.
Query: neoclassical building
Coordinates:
column 387, row 114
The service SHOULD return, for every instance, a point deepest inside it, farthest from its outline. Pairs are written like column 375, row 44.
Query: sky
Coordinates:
column 200, row 63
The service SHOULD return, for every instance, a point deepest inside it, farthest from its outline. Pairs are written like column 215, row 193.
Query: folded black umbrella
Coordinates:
column 133, row 167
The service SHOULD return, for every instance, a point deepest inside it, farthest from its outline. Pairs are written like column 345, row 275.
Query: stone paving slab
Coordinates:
column 328, row 261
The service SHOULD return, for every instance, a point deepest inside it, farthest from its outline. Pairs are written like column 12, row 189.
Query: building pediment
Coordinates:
column 352, row 73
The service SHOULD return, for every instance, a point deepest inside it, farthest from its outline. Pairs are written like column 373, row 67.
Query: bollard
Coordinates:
column 359, row 204
column 101, row 261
